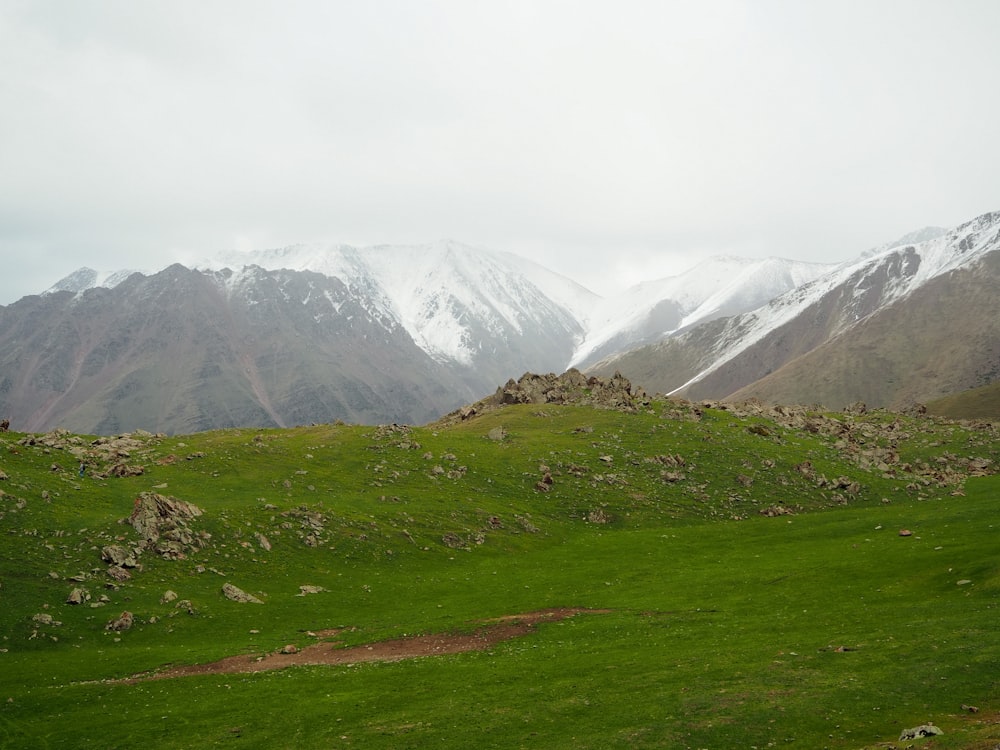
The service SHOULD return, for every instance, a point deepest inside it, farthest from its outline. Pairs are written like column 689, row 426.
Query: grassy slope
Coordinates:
column 722, row 633
column 978, row 403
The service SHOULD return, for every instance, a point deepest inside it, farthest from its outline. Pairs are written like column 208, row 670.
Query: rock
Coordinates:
column 598, row 516
column 122, row 469
column 924, row 730
column 905, row 532
column 168, row 596
column 290, row 649
column 162, row 523
column 78, row 596
column 236, row 594
column 119, row 574
column 116, row 554
column 773, row 511
column 307, row 589
column 123, row 622
column 263, row 541
column 44, row 618
column 497, row 434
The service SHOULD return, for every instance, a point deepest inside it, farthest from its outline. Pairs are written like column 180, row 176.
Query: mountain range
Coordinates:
column 408, row 333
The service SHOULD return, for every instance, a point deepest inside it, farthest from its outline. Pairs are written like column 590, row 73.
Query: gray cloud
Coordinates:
column 609, row 142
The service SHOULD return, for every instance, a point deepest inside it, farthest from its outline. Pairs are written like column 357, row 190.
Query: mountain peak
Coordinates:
column 86, row 278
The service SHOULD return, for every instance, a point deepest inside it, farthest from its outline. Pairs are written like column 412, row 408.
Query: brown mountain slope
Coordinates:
column 942, row 338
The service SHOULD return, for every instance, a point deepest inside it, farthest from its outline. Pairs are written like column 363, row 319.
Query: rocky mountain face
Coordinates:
column 183, row 351
column 904, row 324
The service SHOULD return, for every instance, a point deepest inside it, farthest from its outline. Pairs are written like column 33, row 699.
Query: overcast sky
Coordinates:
column 610, row 141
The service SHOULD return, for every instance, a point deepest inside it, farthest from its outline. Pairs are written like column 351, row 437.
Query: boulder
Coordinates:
column 116, row 554
column 124, row 621
column 118, row 573
column 924, row 730
column 78, row 596
column 236, row 594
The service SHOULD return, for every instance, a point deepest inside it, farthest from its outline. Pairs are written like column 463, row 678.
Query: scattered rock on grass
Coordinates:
column 924, row 730
column 123, row 622
column 78, row 596
column 236, row 594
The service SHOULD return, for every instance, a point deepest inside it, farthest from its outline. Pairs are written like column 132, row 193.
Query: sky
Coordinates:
column 612, row 142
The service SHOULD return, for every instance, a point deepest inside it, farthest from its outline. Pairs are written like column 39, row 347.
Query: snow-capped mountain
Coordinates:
column 87, row 278
column 408, row 333
column 736, row 356
column 719, row 287
column 458, row 301
column 301, row 334
column 454, row 300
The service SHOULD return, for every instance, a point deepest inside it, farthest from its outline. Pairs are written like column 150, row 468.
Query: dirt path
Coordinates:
column 489, row 633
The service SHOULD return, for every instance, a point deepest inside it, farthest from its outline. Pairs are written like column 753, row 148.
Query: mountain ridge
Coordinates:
column 407, row 333
column 724, row 361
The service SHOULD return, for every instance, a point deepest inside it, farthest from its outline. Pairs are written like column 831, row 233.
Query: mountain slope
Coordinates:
column 725, row 358
column 719, row 287
column 942, row 338
column 461, row 305
column 182, row 351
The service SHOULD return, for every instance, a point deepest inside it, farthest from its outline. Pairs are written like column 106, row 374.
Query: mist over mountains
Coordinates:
column 408, row 333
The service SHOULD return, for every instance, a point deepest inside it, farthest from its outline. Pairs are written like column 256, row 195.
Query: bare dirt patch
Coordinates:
column 487, row 633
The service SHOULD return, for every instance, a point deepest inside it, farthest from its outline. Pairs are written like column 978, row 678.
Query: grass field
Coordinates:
column 711, row 625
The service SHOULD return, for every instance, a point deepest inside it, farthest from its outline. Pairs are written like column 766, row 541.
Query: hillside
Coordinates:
column 661, row 573
column 976, row 403
column 942, row 338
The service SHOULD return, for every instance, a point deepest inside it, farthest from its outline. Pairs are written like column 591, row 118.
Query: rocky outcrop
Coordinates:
column 572, row 387
column 106, row 457
column 162, row 522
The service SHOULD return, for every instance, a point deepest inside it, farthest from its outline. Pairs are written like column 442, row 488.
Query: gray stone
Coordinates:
column 236, row 594
column 924, row 730
column 123, row 622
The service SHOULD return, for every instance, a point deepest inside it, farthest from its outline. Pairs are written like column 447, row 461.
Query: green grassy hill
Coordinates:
column 740, row 576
